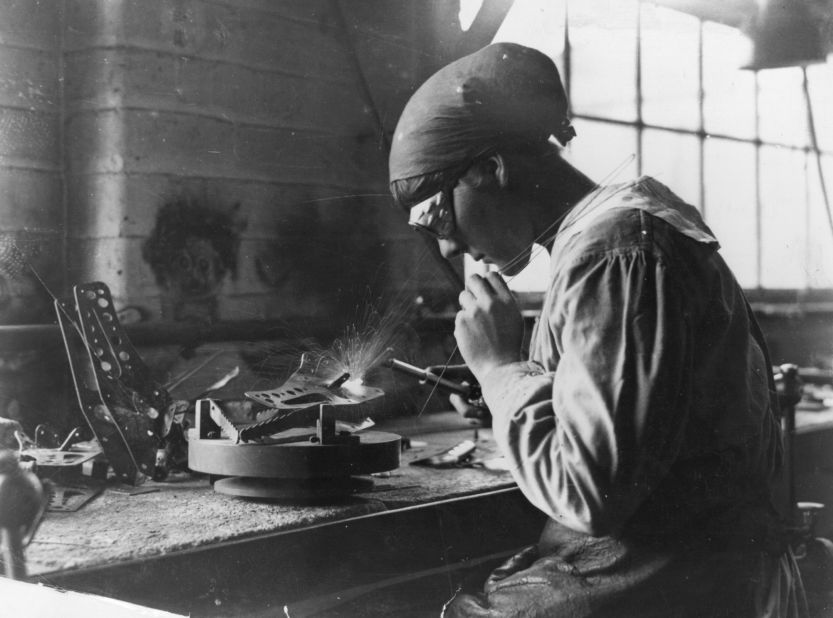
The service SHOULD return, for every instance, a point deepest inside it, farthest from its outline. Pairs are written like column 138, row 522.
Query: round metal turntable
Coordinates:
column 309, row 463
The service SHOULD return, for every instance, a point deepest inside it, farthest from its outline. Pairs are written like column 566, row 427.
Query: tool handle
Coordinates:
column 467, row 391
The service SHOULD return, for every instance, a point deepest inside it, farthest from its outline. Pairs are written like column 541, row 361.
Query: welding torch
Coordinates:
column 469, row 392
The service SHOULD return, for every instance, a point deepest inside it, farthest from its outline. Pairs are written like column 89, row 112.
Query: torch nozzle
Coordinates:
column 339, row 381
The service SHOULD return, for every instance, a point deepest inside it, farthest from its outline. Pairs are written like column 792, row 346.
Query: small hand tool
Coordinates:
column 455, row 456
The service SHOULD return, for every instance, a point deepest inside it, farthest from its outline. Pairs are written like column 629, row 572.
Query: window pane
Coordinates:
column 535, row 23
column 729, row 93
column 670, row 72
column 474, row 268
column 820, row 236
column 603, row 151
column 729, row 172
column 603, row 56
column 674, row 160
column 783, row 218
column 821, row 94
column 535, row 276
column 781, row 106
column 468, row 13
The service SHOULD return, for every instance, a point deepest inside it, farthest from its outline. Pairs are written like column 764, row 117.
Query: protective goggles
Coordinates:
column 435, row 215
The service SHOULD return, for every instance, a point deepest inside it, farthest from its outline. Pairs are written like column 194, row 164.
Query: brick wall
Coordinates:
column 31, row 202
column 248, row 116
column 252, row 109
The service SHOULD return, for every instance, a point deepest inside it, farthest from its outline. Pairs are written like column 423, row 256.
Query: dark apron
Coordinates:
column 674, row 575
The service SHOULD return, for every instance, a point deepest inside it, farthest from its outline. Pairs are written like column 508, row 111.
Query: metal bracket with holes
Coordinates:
column 314, row 384
column 128, row 412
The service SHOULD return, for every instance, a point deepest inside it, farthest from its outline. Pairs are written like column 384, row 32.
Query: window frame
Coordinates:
column 790, row 301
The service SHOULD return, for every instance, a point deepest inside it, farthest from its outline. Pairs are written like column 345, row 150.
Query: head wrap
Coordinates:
column 501, row 94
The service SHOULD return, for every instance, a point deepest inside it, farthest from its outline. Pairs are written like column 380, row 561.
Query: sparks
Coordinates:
column 364, row 345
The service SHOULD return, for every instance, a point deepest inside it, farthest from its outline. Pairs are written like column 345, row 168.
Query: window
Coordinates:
column 659, row 92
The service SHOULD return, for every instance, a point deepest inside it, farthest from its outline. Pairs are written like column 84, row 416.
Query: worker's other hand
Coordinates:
column 468, row 410
column 489, row 327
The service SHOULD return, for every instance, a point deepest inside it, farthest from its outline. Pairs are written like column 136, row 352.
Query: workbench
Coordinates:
column 186, row 549
column 409, row 540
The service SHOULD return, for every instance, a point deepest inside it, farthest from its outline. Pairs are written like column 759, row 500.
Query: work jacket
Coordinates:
column 644, row 425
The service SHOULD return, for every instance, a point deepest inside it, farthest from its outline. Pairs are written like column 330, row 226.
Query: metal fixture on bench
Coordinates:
column 294, row 449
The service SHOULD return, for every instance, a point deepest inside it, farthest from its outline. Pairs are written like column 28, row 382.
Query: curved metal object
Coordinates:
column 315, row 383
column 374, row 451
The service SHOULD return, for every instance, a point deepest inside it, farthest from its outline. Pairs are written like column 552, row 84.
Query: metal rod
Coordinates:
column 640, row 123
column 339, row 381
column 758, row 187
column 701, row 121
column 694, row 132
column 26, row 336
column 814, row 143
column 449, row 386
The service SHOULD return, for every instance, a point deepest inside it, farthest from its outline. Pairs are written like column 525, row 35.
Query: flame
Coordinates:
column 353, row 385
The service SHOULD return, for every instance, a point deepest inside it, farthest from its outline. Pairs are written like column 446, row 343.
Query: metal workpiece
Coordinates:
column 316, row 381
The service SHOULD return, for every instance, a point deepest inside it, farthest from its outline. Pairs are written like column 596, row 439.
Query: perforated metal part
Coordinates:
column 126, row 409
column 315, row 383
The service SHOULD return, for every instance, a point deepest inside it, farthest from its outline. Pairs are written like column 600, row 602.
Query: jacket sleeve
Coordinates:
column 588, row 441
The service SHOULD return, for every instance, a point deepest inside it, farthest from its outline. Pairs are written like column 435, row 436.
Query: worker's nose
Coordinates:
column 450, row 248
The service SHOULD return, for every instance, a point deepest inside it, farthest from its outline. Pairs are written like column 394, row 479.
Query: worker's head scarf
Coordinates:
column 503, row 94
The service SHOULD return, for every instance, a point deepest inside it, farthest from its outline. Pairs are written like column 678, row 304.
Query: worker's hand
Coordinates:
column 489, row 327
column 467, row 409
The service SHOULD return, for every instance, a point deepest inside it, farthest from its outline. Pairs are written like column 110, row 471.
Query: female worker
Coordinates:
column 643, row 422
